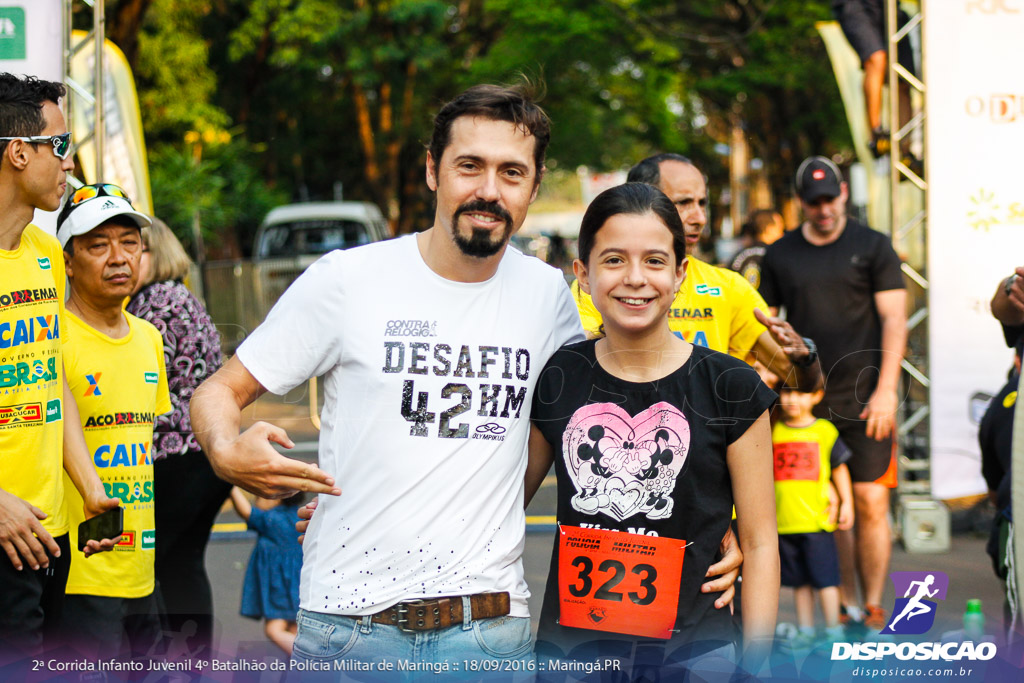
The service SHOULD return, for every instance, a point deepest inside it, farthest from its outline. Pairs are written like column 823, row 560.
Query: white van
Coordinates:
column 307, row 231
column 293, row 236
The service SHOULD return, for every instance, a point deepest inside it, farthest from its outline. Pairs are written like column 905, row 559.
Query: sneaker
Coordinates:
column 851, row 619
column 879, row 143
column 833, row 634
column 801, row 642
column 875, row 618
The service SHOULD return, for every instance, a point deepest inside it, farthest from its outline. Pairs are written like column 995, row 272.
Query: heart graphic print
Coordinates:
column 625, row 465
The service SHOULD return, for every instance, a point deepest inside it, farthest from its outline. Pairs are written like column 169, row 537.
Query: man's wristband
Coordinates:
column 812, row 354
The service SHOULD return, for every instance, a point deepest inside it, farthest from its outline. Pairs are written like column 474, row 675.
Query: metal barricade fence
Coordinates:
column 239, row 294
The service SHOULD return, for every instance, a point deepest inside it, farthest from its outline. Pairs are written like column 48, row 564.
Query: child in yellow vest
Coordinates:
column 808, row 455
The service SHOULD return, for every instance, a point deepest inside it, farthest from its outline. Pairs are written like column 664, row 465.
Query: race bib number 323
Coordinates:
column 618, row 582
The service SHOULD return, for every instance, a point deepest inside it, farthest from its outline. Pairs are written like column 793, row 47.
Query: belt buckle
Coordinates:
column 402, row 614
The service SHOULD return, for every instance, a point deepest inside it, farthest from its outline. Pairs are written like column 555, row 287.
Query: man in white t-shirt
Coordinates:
column 430, row 346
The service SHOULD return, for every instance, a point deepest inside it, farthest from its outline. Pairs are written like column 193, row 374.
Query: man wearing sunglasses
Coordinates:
column 40, row 434
column 115, row 367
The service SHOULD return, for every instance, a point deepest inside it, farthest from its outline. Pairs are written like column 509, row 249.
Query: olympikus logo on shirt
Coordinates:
column 150, row 377
column 710, row 291
column 411, row 328
column 27, row 296
column 44, row 263
column 111, row 419
column 35, row 329
column 18, row 374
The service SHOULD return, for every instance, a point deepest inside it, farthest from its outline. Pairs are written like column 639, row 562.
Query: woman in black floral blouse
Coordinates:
column 188, row 494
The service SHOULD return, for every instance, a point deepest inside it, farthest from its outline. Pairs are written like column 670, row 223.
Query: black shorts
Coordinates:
column 863, row 24
column 871, row 461
column 808, row 559
column 31, row 604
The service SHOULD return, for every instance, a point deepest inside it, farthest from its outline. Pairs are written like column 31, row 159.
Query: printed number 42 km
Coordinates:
column 647, row 573
column 420, row 417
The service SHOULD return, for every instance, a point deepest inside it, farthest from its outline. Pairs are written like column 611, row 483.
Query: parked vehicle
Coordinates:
column 290, row 239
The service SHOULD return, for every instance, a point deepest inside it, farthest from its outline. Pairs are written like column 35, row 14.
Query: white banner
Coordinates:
column 972, row 54
column 30, row 38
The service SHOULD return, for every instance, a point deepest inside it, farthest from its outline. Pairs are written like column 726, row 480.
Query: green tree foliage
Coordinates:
column 329, row 91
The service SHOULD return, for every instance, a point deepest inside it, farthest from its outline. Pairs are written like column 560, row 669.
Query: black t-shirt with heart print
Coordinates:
column 649, row 458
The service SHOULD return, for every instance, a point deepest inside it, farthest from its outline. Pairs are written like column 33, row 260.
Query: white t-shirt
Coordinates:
column 428, row 390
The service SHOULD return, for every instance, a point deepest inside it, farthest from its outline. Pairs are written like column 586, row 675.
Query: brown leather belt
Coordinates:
column 437, row 613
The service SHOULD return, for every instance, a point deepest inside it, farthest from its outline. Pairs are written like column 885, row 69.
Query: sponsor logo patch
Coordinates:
column 21, row 413
column 151, row 377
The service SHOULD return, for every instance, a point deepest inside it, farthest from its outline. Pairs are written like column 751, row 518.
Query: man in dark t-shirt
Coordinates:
column 840, row 283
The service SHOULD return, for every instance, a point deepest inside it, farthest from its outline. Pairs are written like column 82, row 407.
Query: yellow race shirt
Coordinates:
column 802, row 463
column 32, row 325
column 713, row 308
column 120, row 386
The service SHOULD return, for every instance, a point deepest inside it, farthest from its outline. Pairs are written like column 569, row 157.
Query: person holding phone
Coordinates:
column 115, row 368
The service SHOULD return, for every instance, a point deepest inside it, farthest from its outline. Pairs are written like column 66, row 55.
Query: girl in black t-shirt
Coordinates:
column 654, row 440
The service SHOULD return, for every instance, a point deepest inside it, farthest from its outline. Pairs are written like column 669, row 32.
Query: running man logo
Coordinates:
column 914, row 613
column 94, row 384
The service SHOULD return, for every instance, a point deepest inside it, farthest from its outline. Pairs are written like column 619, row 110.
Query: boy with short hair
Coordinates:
column 808, row 455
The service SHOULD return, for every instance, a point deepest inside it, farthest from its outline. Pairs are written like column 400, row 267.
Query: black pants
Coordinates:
column 31, row 603
column 102, row 628
column 188, row 496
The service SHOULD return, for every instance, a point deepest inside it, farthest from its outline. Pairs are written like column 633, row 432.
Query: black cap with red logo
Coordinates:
column 818, row 178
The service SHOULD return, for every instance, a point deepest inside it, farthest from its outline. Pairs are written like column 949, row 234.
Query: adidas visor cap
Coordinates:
column 94, row 212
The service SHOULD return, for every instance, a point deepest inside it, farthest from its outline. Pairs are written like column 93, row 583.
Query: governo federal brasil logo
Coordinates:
column 914, row 613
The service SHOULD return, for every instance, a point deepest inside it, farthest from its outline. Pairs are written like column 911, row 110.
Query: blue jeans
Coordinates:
column 332, row 647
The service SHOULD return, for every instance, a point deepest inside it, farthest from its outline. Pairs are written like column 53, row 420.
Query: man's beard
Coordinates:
column 479, row 243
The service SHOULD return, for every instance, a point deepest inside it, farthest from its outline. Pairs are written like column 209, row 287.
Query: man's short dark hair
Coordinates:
column 648, row 171
column 515, row 104
column 21, row 105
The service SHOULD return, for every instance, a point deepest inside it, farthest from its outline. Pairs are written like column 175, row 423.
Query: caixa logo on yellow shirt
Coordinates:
column 139, row 492
column 122, row 455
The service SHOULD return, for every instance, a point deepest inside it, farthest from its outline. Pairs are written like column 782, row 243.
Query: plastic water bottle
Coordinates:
column 974, row 621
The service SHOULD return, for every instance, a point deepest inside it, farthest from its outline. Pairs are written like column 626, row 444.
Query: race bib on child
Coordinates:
column 618, row 582
column 797, row 461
